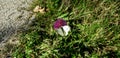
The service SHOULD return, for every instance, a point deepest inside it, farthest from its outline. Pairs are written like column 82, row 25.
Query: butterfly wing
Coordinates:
column 66, row 29
column 60, row 31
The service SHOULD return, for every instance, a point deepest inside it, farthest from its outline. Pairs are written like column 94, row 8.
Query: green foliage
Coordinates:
column 94, row 32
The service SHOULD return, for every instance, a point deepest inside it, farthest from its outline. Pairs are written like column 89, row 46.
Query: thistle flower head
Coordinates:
column 59, row 23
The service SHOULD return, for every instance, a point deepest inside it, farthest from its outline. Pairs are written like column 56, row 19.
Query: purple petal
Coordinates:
column 59, row 23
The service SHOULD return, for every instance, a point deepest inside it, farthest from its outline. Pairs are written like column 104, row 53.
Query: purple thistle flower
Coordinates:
column 59, row 23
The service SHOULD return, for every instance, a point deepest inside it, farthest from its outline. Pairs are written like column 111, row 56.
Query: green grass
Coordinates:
column 95, row 30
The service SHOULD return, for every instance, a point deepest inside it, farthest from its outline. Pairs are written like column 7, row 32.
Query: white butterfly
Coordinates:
column 64, row 30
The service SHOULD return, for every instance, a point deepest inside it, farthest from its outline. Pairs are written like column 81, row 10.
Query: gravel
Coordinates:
column 14, row 15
